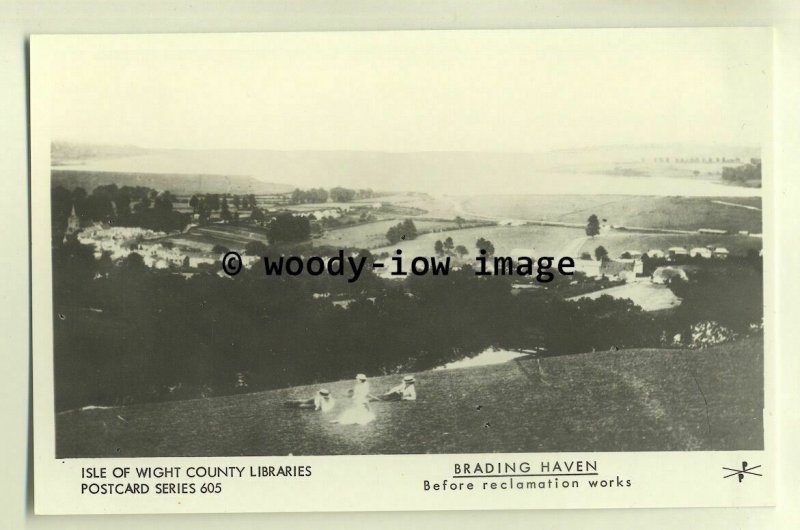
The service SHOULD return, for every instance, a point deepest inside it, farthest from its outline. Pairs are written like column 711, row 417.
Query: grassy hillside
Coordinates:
column 630, row 400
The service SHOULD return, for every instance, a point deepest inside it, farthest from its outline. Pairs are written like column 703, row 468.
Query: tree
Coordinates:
column 462, row 251
column 142, row 205
column 257, row 215
column 105, row 265
column 288, row 228
column 134, row 263
column 220, row 249
column 203, row 212
column 225, row 213
column 403, row 231
column 409, row 229
column 212, row 201
column 600, row 253
column 586, row 255
column 438, row 247
column 339, row 194
column 592, row 226
column 460, row 221
column 194, row 202
column 485, row 244
column 448, row 244
column 255, row 248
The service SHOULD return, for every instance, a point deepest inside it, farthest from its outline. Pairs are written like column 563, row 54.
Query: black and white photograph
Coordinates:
column 407, row 243
column 161, row 167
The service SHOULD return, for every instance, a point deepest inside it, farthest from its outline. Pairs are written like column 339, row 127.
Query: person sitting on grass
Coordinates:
column 360, row 412
column 322, row 401
column 405, row 391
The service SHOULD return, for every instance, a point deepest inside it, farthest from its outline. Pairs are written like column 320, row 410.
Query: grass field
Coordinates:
column 544, row 240
column 681, row 213
column 630, row 400
column 647, row 295
column 373, row 235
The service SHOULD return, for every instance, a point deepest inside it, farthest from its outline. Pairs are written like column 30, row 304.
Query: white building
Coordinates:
column 721, row 253
column 676, row 252
column 699, row 252
column 663, row 275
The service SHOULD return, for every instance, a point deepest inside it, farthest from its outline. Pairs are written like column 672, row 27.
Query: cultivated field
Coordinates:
column 630, row 400
column 233, row 237
column 618, row 242
column 681, row 213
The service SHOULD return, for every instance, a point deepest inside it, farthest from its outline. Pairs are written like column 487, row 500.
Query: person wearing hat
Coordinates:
column 321, row 401
column 360, row 412
column 405, row 391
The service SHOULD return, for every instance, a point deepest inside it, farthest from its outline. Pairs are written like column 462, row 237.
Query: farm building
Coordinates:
column 195, row 261
column 637, row 267
column 663, row 275
column 589, row 267
column 700, row 252
column 713, row 231
column 655, row 253
column 675, row 252
column 619, row 270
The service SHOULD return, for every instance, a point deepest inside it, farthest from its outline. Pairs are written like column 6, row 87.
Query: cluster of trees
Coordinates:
column 121, row 206
column 288, row 228
column 696, row 159
column 214, row 201
column 729, row 292
column 337, row 194
column 402, row 231
column 744, row 173
column 485, row 244
column 313, row 195
column 204, row 205
column 199, row 334
column 449, row 248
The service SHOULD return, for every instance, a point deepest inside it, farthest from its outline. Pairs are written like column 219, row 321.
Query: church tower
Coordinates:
column 73, row 223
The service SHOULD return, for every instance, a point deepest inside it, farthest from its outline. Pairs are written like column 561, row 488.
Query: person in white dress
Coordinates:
column 360, row 412
column 405, row 391
column 322, row 401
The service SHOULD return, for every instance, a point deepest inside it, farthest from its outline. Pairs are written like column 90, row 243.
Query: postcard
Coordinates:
column 412, row 270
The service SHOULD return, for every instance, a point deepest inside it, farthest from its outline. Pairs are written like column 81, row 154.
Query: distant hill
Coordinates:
column 69, row 152
column 180, row 184
column 432, row 172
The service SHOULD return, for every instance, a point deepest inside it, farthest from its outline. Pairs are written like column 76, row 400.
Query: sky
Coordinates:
column 485, row 91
